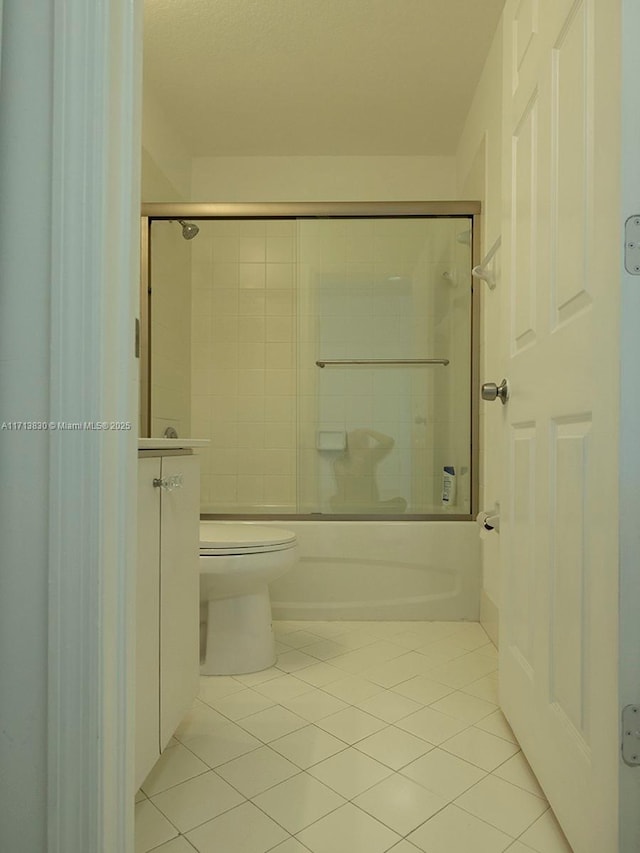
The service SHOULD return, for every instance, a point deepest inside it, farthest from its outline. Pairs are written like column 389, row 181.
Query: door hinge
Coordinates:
column 632, row 245
column 631, row 734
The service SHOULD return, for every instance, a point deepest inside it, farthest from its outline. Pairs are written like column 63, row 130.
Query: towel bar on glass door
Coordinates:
column 330, row 361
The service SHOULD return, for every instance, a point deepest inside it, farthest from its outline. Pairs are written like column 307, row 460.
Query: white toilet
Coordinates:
column 237, row 562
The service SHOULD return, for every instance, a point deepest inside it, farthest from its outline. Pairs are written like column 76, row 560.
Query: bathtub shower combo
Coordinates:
column 328, row 354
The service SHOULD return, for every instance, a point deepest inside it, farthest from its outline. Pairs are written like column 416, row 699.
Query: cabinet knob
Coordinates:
column 168, row 483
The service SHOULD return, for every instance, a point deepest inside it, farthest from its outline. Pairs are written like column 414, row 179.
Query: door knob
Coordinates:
column 491, row 391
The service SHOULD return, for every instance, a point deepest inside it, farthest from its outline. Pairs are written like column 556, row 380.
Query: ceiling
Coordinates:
column 316, row 77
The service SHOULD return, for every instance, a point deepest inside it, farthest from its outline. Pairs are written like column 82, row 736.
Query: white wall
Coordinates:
column 479, row 177
column 166, row 162
column 240, row 179
column 166, row 176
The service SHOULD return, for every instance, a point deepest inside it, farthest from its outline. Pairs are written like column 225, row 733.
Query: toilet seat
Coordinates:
column 235, row 538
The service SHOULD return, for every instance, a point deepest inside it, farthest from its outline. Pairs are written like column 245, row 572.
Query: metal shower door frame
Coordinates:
column 154, row 211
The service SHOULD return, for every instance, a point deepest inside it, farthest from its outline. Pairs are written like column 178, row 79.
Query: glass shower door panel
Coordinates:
column 374, row 437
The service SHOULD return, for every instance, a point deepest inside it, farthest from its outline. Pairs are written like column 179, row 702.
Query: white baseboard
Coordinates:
column 489, row 617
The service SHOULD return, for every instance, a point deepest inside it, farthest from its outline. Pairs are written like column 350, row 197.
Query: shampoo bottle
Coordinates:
column 448, row 485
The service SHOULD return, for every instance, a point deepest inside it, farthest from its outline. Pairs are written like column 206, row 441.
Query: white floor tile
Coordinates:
column 353, row 689
column 319, row 674
column 198, row 800
column 480, row 748
column 464, row 670
column 471, row 635
column 224, row 744
column 400, row 669
column 400, row 803
column 484, row 688
column 355, row 638
column 175, row 765
column 314, row 705
column 442, row 651
column 444, row 774
column 350, row 772
column 389, row 706
column 294, row 660
column 394, row 747
column 244, row 829
column 489, row 651
column 256, row 771
column 298, row 639
column 242, row 704
column 200, row 720
column 272, row 723
column 517, row 771
column 326, row 649
column 283, row 687
column 496, row 724
column 351, row 724
column 348, row 830
column 177, row 845
column 298, row 802
column 422, row 689
column 328, row 629
column 217, row 686
column 404, row 847
column 409, row 639
column 362, row 659
column 282, row 627
column 431, row 725
column 351, row 712
column 503, row 805
column 462, row 706
column 251, row 679
column 152, row 827
column 455, row 831
column 307, row 746
column 291, row 845
column 545, row 836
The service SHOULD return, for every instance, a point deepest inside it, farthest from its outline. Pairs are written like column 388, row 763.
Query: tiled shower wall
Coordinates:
column 243, row 355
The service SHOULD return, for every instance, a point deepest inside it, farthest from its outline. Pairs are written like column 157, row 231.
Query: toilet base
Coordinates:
column 239, row 635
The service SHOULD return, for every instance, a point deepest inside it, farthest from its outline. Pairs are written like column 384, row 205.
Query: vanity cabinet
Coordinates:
column 167, row 602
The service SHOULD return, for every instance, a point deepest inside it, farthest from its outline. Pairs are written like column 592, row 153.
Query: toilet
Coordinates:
column 238, row 560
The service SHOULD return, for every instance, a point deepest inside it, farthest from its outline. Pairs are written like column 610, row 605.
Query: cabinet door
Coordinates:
column 147, row 620
column 179, row 593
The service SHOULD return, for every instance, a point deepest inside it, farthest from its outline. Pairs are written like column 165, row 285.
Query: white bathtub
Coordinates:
column 360, row 570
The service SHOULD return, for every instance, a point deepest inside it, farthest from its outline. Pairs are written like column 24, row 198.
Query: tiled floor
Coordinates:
column 366, row 737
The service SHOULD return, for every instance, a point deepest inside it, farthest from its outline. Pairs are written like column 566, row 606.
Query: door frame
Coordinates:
column 71, row 179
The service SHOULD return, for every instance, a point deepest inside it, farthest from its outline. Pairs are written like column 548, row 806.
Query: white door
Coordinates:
column 561, row 280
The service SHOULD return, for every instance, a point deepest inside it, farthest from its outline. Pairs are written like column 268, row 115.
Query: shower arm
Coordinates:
column 332, row 361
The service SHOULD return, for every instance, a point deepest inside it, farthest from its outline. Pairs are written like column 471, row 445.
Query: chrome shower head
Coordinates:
column 189, row 229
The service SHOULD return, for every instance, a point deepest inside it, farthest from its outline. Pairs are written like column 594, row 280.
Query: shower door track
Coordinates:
column 153, row 211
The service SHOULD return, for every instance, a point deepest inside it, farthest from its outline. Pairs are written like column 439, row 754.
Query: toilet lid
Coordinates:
column 242, row 538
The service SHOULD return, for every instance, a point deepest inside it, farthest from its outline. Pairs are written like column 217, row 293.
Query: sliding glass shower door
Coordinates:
column 328, row 360
column 384, row 366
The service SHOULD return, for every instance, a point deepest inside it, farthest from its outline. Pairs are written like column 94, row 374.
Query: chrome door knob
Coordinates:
column 491, row 391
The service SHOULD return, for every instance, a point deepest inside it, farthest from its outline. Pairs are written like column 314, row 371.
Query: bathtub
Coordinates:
column 371, row 570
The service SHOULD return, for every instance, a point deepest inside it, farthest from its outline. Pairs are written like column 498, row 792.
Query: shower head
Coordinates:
column 189, row 229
